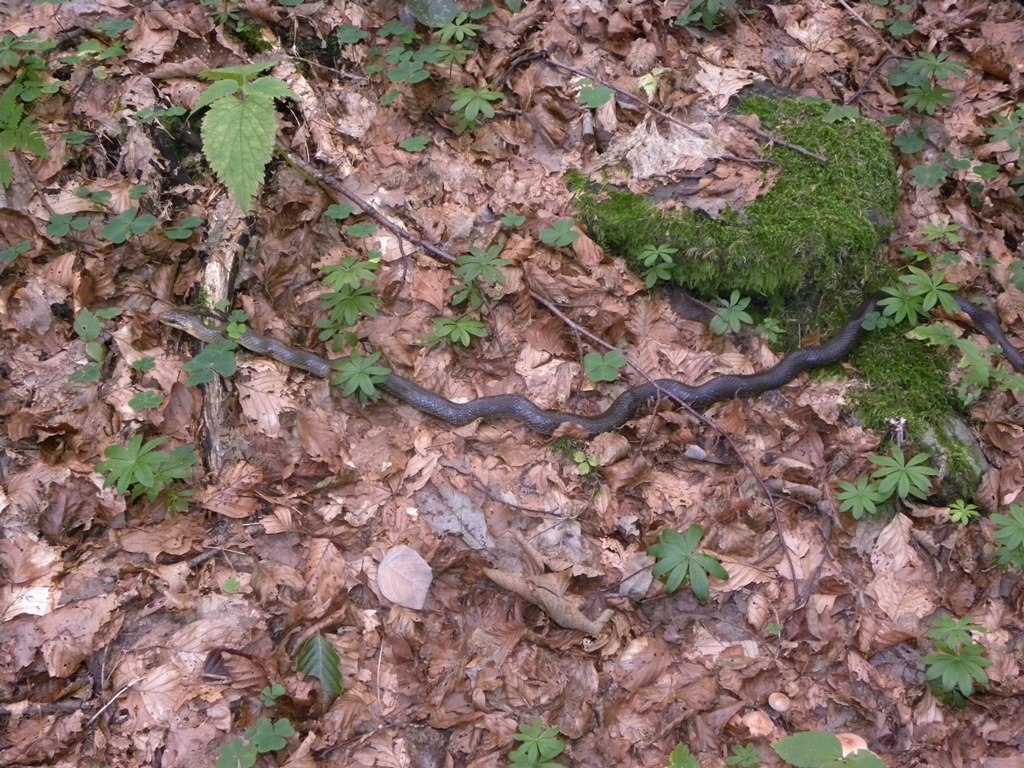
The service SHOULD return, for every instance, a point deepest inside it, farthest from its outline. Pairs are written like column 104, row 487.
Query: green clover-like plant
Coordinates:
column 679, row 562
column 604, row 367
column 659, row 261
column 561, row 233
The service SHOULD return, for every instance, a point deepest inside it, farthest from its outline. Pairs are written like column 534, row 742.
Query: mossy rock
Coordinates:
column 808, row 251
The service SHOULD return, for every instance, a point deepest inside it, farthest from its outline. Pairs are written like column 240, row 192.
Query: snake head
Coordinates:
column 202, row 328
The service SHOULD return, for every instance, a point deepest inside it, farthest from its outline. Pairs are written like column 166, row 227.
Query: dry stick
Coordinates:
column 871, row 76
column 441, row 255
column 768, row 137
column 861, row 21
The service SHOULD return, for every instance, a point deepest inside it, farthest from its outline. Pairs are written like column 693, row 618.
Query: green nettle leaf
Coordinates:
column 319, row 658
column 238, row 140
column 604, row 367
column 221, row 89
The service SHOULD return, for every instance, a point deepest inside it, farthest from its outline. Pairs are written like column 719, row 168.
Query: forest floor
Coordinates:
column 152, row 631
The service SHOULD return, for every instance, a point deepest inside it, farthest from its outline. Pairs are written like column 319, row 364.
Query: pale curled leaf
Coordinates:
column 404, row 577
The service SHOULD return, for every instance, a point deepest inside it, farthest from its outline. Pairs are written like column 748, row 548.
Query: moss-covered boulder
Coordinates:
column 808, row 251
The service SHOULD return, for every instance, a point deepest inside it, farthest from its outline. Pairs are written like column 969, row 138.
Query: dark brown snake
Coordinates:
column 625, row 406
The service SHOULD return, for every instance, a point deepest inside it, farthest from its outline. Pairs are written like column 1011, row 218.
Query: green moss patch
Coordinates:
column 807, row 250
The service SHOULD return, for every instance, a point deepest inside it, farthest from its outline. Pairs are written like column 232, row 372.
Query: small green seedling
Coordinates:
column 585, row 464
column 679, row 562
column 604, row 367
column 539, row 747
column 959, row 662
column 962, row 513
column 731, row 315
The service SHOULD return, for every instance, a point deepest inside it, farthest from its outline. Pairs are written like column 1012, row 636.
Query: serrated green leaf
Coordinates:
column 238, row 141
column 268, row 88
column 238, row 72
column 219, row 90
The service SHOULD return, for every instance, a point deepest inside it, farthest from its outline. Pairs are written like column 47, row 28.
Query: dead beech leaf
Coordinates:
column 404, row 577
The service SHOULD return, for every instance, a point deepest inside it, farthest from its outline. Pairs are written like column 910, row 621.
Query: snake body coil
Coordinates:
column 625, row 406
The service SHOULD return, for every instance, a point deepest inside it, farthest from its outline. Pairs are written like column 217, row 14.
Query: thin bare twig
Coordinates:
column 860, row 20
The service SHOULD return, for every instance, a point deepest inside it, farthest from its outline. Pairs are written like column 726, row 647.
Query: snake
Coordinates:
column 520, row 408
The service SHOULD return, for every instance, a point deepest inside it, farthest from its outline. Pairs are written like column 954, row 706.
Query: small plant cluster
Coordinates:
column 140, row 469
column 538, row 748
column 895, row 477
column 410, row 60
column 478, row 271
column 1010, row 538
column 709, row 14
column 919, row 79
column 121, row 227
column 959, row 663
column 913, row 299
